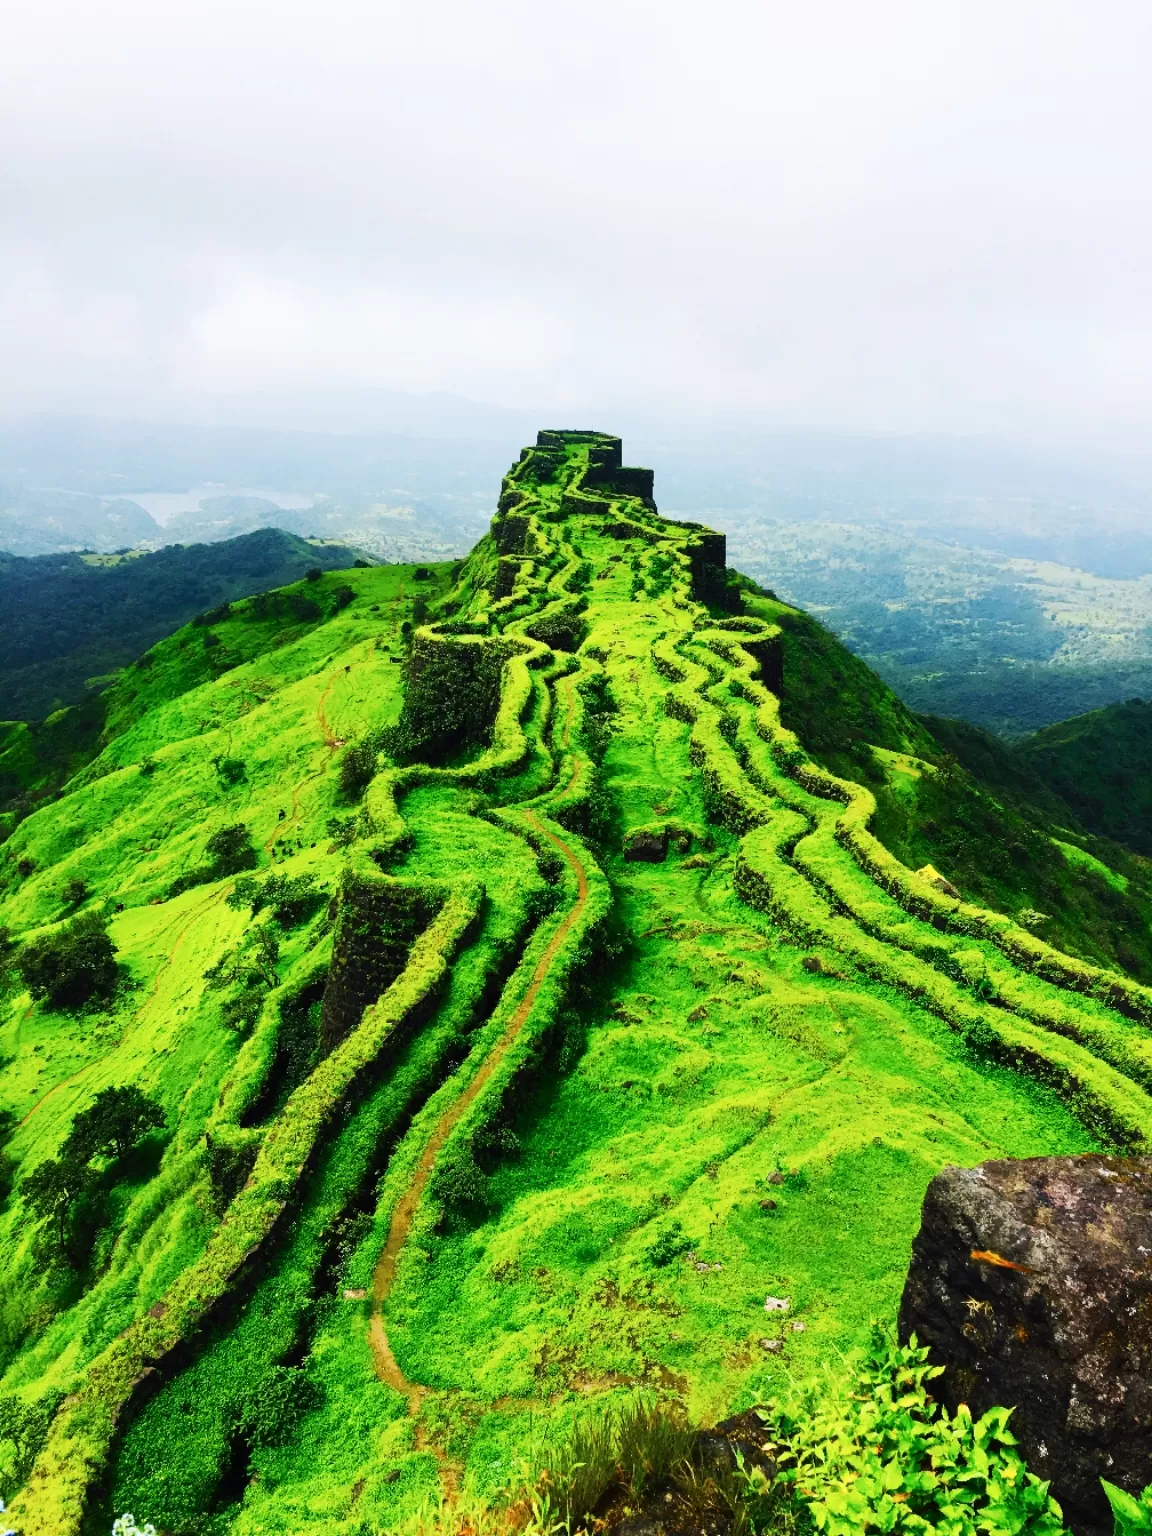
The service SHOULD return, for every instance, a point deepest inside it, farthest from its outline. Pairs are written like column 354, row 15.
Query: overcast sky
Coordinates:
column 883, row 215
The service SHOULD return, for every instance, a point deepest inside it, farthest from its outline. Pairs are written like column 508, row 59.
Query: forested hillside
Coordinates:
column 68, row 620
column 1100, row 764
column 496, row 996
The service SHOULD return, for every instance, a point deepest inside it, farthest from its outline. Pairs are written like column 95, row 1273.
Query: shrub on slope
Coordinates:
column 72, row 966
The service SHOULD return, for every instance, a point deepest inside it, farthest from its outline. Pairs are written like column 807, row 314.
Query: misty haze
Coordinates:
column 575, row 769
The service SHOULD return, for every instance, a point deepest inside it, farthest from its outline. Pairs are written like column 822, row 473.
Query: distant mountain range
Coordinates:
column 50, row 522
column 983, row 580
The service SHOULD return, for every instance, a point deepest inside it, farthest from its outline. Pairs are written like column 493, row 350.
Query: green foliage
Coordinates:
column 296, row 607
column 59, row 1190
column 23, row 1430
column 627, row 1449
column 230, row 769
column 115, row 1121
column 599, row 714
column 229, row 1160
column 873, row 1452
column 653, row 1438
column 671, row 1243
column 52, row 1192
column 229, row 851
column 290, row 898
column 1133, row 1515
column 277, row 1403
column 8, row 1163
column 342, row 830
column 215, row 615
column 248, row 973
column 358, row 764
column 73, row 966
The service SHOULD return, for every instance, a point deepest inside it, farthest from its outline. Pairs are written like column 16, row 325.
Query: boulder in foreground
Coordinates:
column 1031, row 1283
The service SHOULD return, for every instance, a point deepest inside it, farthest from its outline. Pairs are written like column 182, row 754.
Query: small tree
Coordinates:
column 114, row 1123
column 291, row 898
column 250, row 971
column 230, row 769
column 231, row 850
column 7, row 1163
column 111, row 1126
column 254, row 958
column 75, row 893
column 52, row 1190
column 73, row 965
column 358, row 765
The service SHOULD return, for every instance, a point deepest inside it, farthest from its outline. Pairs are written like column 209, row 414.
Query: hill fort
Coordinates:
column 532, row 1012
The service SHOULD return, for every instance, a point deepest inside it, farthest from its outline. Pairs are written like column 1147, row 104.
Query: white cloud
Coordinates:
column 887, row 215
column 280, row 332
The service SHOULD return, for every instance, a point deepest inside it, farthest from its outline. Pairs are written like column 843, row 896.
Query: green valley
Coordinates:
column 555, row 976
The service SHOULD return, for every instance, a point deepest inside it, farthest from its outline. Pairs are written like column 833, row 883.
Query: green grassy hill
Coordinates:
column 528, row 1001
column 68, row 619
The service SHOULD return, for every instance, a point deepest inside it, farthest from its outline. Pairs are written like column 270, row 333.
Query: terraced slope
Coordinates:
column 614, row 1020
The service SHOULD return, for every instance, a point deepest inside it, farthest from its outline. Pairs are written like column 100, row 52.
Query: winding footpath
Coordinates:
column 384, row 1277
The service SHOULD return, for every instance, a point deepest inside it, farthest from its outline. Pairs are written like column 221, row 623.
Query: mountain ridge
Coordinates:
column 562, row 1003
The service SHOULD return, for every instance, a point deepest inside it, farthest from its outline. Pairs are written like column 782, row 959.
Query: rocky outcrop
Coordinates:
column 1031, row 1283
column 646, row 845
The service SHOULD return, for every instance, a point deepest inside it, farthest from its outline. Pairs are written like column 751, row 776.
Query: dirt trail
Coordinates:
column 387, row 1368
